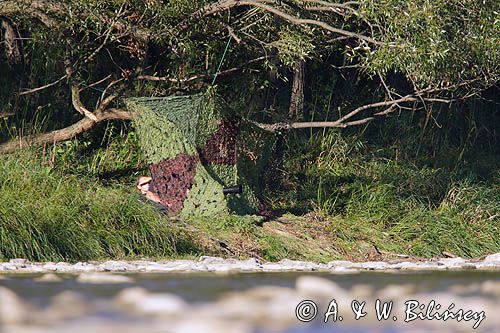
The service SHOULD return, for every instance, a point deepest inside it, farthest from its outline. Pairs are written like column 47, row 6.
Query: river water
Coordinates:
column 246, row 302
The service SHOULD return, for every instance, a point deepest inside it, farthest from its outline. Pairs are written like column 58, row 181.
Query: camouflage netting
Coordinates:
column 195, row 151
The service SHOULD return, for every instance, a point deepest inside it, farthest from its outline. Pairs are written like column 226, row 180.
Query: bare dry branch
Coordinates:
column 343, row 121
column 99, row 82
column 233, row 34
column 34, row 90
column 77, row 104
column 325, row 6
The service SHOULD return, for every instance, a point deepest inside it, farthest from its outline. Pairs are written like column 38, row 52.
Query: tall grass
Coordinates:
column 466, row 222
column 48, row 216
column 397, row 204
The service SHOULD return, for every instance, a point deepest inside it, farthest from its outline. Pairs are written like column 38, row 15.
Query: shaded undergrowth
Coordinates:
column 383, row 196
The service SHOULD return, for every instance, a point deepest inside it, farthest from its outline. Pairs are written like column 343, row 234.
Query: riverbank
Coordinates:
column 372, row 210
column 221, row 265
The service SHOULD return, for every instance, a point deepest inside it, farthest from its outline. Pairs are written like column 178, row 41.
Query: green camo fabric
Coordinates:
column 169, row 126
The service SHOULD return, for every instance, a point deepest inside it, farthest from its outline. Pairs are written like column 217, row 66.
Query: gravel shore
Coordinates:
column 214, row 264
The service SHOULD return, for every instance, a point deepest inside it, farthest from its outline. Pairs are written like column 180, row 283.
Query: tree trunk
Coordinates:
column 296, row 110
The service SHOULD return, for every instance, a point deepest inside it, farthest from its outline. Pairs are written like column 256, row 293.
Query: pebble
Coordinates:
column 493, row 258
column 339, row 264
column 396, row 291
column 65, row 305
column 117, row 266
column 371, row 265
column 18, row 261
column 12, row 309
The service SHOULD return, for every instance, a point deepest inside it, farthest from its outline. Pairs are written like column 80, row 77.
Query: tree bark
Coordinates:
column 296, row 109
column 11, row 43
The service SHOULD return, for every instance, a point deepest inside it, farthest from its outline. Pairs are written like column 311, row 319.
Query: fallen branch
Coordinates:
column 64, row 134
column 101, row 113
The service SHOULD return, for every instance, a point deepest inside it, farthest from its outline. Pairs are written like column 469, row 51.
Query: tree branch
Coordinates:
column 199, row 76
column 338, row 8
column 50, row 12
column 34, row 90
column 228, row 4
column 78, row 105
column 36, row 9
column 343, row 121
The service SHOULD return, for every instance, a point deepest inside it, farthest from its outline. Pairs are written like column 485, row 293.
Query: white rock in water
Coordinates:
column 362, row 290
column 49, row 277
column 265, row 305
column 396, row 291
column 464, row 289
column 141, row 301
column 210, row 326
column 103, row 278
column 493, row 258
column 131, row 295
column 491, row 287
column 316, row 286
column 12, row 309
column 65, row 305
column 161, row 304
